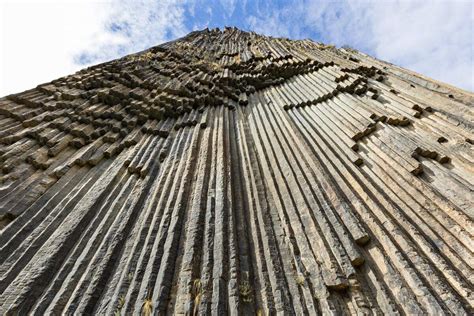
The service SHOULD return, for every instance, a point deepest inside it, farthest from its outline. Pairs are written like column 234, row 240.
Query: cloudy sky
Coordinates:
column 43, row 40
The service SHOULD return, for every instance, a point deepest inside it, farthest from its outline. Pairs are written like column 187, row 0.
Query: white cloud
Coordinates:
column 229, row 6
column 41, row 41
column 434, row 38
column 38, row 40
column 285, row 21
column 139, row 24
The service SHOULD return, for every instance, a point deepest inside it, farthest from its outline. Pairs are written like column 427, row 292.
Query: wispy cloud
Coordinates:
column 38, row 41
column 275, row 22
column 432, row 37
column 136, row 25
column 43, row 40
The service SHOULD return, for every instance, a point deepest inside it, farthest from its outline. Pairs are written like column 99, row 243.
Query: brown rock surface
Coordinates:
column 232, row 173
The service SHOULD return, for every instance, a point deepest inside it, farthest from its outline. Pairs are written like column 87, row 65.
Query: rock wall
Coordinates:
column 232, row 173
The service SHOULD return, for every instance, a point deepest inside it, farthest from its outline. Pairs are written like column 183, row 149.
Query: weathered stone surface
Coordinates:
column 232, row 173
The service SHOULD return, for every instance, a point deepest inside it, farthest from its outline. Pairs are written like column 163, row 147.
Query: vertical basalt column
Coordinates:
column 228, row 172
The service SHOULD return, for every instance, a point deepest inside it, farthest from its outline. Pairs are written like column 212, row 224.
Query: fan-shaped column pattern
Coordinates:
column 232, row 173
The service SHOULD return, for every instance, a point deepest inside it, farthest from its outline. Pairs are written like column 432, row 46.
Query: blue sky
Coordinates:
column 42, row 40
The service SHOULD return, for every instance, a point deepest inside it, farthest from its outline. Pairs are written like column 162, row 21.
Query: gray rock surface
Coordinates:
column 232, row 173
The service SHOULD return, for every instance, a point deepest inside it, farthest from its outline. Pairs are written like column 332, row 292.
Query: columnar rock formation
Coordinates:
column 232, row 173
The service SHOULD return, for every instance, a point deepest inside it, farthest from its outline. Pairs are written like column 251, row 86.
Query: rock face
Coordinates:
column 232, row 173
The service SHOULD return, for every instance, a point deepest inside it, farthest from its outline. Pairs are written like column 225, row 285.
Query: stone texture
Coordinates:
column 232, row 173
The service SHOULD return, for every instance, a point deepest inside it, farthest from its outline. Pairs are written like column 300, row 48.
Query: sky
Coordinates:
column 44, row 40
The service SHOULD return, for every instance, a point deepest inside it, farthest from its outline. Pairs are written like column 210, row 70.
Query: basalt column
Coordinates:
column 232, row 173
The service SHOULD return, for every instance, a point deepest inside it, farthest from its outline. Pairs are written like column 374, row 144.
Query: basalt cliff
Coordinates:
column 232, row 173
